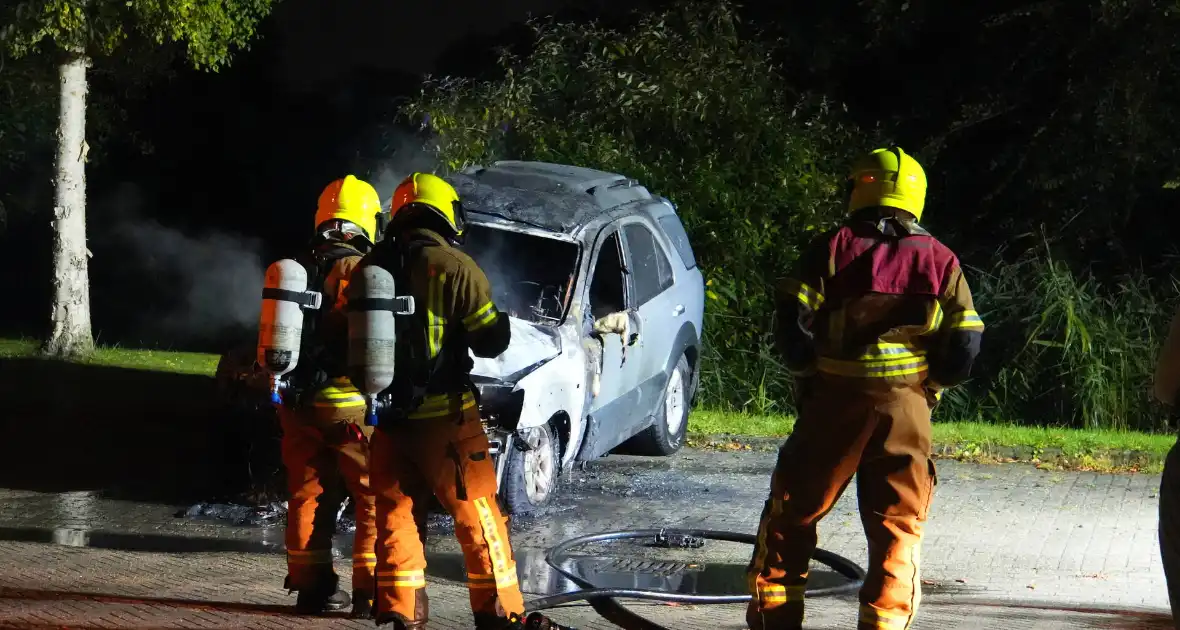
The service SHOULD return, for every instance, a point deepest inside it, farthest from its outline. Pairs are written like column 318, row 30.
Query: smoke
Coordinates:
column 402, row 153
column 172, row 286
column 215, row 278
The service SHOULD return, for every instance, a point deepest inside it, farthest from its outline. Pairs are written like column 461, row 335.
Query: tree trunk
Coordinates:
column 71, row 335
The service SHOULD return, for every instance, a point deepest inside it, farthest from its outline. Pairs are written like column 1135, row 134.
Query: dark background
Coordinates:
column 218, row 174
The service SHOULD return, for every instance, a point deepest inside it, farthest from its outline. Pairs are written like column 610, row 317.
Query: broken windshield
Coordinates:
column 532, row 276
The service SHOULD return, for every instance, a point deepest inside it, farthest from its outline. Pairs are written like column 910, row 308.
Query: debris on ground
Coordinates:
column 258, row 515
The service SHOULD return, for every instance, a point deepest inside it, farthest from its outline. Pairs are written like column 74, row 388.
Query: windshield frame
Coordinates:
column 494, row 222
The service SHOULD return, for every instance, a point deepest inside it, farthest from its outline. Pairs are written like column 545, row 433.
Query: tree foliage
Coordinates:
column 698, row 112
column 1032, row 112
column 131, row 44
column 1032, row 118
column 208, row 29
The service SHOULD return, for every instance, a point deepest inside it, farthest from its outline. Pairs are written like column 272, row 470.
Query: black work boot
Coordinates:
column 399, row 622
column 362, row 604
column 537, row 621
column 323, row 596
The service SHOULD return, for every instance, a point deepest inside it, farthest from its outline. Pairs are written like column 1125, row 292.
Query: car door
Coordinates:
column 660, row 314
column 608, row 292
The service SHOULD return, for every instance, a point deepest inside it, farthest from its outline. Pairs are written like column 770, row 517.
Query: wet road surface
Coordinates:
column 1007, row 546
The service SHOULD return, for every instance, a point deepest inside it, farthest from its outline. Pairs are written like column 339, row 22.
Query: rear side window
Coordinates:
column 675, row 231
column 652, row 272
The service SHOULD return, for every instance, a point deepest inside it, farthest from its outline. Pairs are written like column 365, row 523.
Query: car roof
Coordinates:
column 552, row 197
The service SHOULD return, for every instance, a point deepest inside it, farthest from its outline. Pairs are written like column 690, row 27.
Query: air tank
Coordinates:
column 280, row 325
column 373, row 305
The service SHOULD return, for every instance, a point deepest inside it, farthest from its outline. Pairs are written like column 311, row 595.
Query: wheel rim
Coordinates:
column 674, row 404
column 539, row 465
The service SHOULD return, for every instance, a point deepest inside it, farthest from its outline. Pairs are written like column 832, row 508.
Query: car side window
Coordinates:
column 651, row 271
column 675, row 231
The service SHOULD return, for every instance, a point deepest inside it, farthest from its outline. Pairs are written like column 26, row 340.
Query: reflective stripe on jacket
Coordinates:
column 878, row 298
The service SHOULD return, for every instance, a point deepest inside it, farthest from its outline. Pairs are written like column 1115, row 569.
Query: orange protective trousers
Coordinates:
column 446, row 456
column 879, row 432
column 319, row 447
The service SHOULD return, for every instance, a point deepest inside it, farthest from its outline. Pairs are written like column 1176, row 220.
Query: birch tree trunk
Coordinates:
column 70, row 318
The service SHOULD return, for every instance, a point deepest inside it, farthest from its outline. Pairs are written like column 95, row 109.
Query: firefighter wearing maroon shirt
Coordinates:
column 875, row 321
column 432, row 440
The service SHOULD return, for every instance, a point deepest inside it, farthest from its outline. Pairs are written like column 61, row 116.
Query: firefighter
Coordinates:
column 1167, row 391
column 324, row 435
column 430, row 438
column 874, row 322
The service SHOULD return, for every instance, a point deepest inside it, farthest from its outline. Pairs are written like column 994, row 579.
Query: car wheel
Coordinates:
column 666, row 435
column 530, row 478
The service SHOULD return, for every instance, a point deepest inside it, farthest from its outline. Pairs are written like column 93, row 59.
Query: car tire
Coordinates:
column 666, row 435
column 531, row 477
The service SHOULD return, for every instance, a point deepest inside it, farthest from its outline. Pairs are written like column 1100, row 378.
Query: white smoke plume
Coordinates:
column 402, row 154
column 173, row 286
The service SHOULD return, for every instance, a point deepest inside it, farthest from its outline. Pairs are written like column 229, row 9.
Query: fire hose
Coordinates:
column 604, row 601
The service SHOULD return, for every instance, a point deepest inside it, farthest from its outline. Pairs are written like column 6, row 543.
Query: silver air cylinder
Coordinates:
column 280, row 326
column 372, row 335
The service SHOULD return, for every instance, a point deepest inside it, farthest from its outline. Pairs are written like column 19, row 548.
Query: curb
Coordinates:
column 1042, row 457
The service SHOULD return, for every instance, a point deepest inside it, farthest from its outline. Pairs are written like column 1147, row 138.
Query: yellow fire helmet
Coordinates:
column 433, row 192
column 352, row 200
column 888, row 177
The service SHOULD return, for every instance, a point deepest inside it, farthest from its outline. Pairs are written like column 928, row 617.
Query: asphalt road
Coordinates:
column 1007, row 546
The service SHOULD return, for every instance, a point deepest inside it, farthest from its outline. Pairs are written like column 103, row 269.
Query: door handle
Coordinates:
column 678, row 311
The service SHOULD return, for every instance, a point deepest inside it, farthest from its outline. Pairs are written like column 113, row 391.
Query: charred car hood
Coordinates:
column 531, row 347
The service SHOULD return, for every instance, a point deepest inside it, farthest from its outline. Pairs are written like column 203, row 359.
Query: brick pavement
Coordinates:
column 1008, row 547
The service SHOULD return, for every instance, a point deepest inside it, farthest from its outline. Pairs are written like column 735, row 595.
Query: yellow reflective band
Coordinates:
column 435, row 322
column 481, row 318
column 488, row 581
column 883, row 619
column 779, row 594
column 806, row 295
column 497, row 547
column 891, row 351
column 404, row 579
column 364, row 560
column 965, row 320
column 879, row 369
column 339, row 394
column 935, row 320
column 443, row 405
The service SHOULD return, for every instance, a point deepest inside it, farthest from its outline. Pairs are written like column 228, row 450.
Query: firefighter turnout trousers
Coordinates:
column 447, row 456
column 1169, row 528
column 321, row 444
column 880, row 432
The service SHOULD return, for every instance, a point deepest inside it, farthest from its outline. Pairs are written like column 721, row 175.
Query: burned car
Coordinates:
column 606, row 305
column 607, row 308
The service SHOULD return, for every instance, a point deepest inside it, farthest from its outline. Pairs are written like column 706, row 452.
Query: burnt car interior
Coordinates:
column 607, row 288
column 532, row 277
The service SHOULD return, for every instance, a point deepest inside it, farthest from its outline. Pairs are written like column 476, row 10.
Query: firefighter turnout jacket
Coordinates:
column 879, row 297
column 433, row 441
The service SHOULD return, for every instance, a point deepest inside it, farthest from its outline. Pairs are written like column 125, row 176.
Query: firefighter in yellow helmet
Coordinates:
column 874, row 321
column 429, row 438
column 324, row 435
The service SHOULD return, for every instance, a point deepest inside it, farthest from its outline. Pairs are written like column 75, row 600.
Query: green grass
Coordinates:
column 134, row 358
column 1105, row 450
column 1095, row 449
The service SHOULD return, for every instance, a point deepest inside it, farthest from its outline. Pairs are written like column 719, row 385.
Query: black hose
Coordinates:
column 603, row 599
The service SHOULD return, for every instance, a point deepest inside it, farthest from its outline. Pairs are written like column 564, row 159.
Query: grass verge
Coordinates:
column 133, row 358
column 1071, row 449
